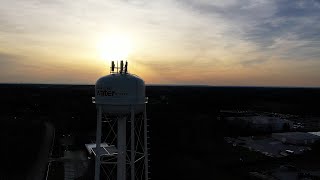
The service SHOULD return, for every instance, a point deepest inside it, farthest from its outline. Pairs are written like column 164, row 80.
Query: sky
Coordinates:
column 194, row 42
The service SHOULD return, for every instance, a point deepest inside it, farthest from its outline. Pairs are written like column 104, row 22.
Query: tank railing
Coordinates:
column 146, row 100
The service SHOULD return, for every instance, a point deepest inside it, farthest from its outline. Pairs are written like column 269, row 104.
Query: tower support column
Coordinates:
column 121, row 160
column 98, row 144
column 146, row 161
column 132, row 144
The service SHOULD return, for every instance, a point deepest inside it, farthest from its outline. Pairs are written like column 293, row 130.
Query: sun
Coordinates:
column 115, row 47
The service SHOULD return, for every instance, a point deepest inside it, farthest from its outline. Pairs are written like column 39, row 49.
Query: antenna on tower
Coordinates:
column 121, row 67
column 126, row 67
column 112, row 67
column 117, row 67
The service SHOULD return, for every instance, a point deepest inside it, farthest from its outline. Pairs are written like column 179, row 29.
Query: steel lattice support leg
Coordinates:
column 146, row 144
column 98, row 144
column 132, row 145
column 121, row 160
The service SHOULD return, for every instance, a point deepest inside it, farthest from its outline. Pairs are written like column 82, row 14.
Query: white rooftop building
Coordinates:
column 297, row 138
column 262, row 123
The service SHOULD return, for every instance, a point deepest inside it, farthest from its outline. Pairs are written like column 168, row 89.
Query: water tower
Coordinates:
column 121, row 139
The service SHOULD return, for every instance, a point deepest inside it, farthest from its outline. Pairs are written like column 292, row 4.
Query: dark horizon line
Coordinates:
column 172, row 85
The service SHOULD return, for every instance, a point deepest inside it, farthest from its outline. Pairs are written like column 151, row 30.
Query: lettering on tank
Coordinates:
column 109, row 92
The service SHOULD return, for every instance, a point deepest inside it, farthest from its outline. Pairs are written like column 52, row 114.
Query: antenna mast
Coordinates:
column 123, row 69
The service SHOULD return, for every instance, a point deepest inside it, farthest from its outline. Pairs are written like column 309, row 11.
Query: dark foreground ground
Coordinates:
column 186, row 135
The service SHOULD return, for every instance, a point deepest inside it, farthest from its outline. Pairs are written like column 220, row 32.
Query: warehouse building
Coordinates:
column 297, row 138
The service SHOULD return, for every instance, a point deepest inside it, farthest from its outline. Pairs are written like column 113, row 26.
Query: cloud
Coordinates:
column 223, row 35
column 253, row 62
column 6, row 59
column 13, row 67
column 266, row 23
column 292, row 31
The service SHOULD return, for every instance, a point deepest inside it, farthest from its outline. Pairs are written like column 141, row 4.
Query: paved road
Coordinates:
column 38, row 171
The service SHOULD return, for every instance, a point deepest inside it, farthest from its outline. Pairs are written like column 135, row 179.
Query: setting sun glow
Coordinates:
column 114, row 47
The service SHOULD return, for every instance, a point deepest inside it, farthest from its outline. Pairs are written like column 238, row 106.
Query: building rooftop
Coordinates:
column 297, row 135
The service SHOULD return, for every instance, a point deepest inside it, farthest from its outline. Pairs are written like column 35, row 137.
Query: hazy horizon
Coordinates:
column 264, row 43
column 172, row 85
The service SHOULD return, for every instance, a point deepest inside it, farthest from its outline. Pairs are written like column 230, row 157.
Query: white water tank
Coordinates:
column 117, row 93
